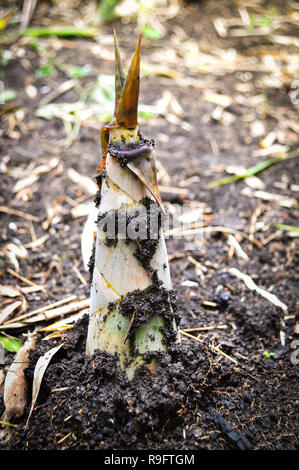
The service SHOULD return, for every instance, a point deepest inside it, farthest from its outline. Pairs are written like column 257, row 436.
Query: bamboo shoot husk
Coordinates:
column 118, row 272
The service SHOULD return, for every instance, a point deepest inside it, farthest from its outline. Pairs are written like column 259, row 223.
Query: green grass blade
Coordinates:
column 64, row 31
column 252, row 170
column 289, row 228
column 106, row 9
column 151, row 33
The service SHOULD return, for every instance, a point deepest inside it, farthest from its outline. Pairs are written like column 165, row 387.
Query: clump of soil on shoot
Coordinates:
column 125, row 152
column 91, row 263
column 139, row 225
column 155, row 300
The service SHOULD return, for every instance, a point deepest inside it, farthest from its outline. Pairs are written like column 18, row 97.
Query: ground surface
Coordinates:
column 202, row 399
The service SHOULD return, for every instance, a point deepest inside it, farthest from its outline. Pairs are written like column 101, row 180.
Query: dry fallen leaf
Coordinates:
column 9, row 291
column 13, row 252
column 280, row 199
column 15, row 387
column 57, row 312
column 192, row 216
column 39, row 371
column 268, row 141
column 2, row 376
column 33, row 176
column 24, row 182
column 81, row 210
column 252, row 181
column 169, row 103
column 86, row 183
column 222, row 100
column 9, row 310
column 248, row 281
column 272, row 150
column 66, row 322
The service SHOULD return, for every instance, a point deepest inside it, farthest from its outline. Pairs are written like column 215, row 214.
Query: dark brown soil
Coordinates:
column 199, row 399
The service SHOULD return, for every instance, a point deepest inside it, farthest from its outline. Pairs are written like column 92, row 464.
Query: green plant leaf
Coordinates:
column 253, row 170
column 289, row 228
column 36, row 46
column 151, row 33
column 3, row 61
column 103, row 91
column 9, row 95
column 44, row 71
column 58, row 110
column 74, row 71
column 106, row 9
column 10, row 344
column 266, row 21
column 60, row 31
column 147, row 112
column 268, row 354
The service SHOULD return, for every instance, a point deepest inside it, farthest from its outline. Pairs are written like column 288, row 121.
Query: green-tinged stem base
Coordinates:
column 112, row 334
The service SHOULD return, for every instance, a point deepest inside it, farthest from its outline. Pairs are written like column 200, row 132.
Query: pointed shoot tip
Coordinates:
column 127, row 109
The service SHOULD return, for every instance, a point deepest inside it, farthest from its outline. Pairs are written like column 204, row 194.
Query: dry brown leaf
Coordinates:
column 2, row 376
column 18, row 250
column 86, row 183
column 15, row 387
column 192, row 216
column 221, row 100
column 24, row 183
column 272, row 150
column 47, row 307
column 248, row 281
column 254, row 182
column 280, row 199
column 169, row 103
column 23, row 215
column 269, row 140
column 39, row 371
column 66, row 322
column 9, row 310
column 81, row 210
column 9, row 291
column 57, row 312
